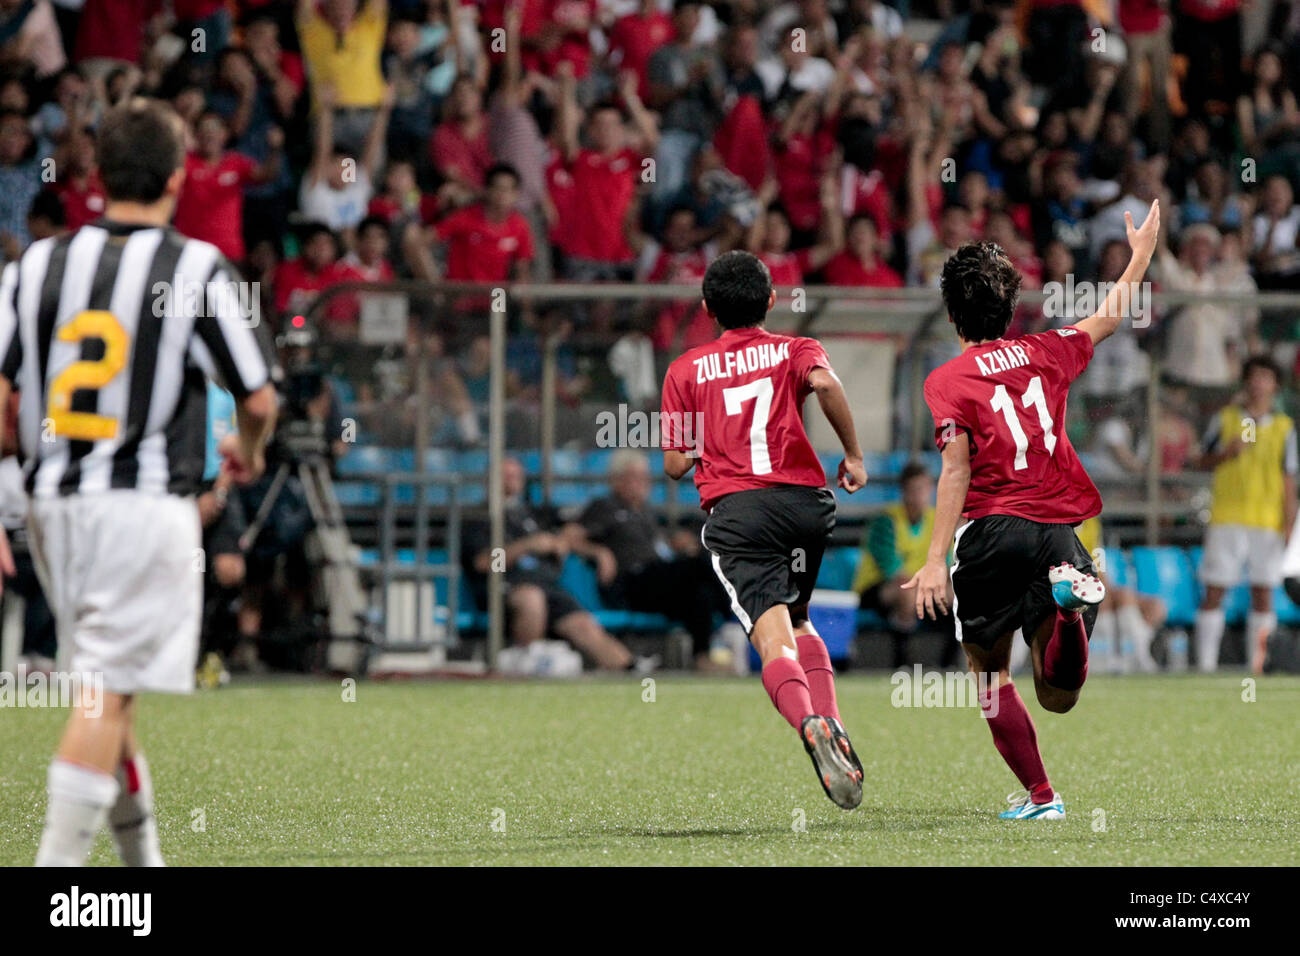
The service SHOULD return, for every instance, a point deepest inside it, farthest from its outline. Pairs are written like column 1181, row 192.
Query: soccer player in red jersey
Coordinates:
column 733, row 412
column 1009, row 470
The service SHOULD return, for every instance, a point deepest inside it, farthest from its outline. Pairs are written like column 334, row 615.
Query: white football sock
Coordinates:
column 1209, row 635
column 1101, row 648
column 1257, row 621
column 79, row 798
column 135, row 830
column 1136, row 628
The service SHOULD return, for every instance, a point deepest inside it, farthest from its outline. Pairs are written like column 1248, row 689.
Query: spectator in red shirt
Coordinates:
column 490, row 241
column 634, row 37
column 601, row 188
column 860, row 264
column 1146, row 27
column 1209, row 35
column 459, row 146
column 369, row 260
column 113, row 30
column 211, row 203
column 681, row 260
column 78, row 186
column 298, row 282
column 769, row 237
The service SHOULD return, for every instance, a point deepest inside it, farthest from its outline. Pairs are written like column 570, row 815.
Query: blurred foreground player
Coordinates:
column 1009, row 469
column 111, row 334
column 733, row 411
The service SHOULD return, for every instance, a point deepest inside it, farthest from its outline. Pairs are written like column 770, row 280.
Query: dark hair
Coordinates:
column 502, row 169
column 372, row 222
column 47, row 205
column 737, row 290
column 1261, row 361
column 138, row 148
column 980, row 288
column 913, row 469
column 313, row 229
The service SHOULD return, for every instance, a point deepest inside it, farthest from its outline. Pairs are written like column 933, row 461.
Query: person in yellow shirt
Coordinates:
column 342, row 43
column 894, row 547
column 1252, row 449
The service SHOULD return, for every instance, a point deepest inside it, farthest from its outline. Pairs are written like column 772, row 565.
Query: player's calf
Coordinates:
column 1065, row 655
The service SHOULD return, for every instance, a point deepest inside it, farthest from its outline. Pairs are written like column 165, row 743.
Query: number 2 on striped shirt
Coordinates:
column 761, row 391
column 88, row 426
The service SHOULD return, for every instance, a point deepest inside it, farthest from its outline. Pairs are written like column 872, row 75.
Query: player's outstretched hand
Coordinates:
column 931, row 585
column 852, row 474
column 236, row 463
column 1142, row 240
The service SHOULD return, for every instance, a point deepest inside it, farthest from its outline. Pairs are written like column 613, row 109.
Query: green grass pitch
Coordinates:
column 1159, row 771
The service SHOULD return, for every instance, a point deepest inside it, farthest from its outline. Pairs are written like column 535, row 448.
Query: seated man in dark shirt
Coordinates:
column 639, row 569
column 533, row 555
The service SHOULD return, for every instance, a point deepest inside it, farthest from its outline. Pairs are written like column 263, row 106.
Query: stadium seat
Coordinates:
column 357, row 494
column 1170, row 574
column 578, row 577
column 839, row 566
column 376, row 460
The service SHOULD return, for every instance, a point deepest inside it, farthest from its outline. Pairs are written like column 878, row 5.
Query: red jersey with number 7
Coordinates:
column 736, row 404
column 1009, row 396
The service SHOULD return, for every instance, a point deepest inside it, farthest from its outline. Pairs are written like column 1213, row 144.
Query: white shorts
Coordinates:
column 123, row 573
column 1230, row 548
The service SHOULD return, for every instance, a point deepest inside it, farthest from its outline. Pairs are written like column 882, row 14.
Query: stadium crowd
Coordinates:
column 846, row 142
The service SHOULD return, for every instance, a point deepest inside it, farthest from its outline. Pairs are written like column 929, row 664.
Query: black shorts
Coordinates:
column 999, row 576
column 767, row 546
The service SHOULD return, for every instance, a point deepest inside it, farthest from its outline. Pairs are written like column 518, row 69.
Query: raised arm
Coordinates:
column 1115, row 306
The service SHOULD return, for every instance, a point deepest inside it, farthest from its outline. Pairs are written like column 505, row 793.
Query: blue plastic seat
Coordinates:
column 1170, row 574
column 839, row 566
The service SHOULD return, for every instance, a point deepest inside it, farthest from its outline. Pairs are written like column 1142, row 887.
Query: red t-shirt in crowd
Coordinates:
column 1010, row 398
column 452, row 151
column 787, row 268
column 1140, row 16
column 296, row 286
column 389, row 209
column 603, row 187
column 559, row 185
column 738, row 403
column 1209, row 11
column 82, row 203
column 211, row 203
column 480, row 249
column 798, row 163
column 845, row 269
column 635, row 37
column 681, row 324
column 114, row 28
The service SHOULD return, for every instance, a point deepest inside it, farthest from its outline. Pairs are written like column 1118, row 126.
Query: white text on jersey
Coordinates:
column 1002, row 360
column 749, row 359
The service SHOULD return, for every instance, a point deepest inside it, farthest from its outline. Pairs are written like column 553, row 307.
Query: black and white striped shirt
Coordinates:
column 110, row 335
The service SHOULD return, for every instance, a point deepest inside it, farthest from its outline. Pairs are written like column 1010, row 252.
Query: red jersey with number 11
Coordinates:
column 1009, row 396
column 738, row 402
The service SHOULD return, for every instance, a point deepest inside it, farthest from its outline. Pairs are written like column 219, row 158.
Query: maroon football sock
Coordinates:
column 816, row 664
column 1016, row 739
column 786, row 684
column 1065, row 660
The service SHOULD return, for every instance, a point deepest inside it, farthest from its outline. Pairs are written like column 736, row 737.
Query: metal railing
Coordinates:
column 911, row 320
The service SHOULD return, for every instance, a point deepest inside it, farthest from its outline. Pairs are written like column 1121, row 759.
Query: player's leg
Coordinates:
column 1014, row 734
column 1261, row 622
column 1264, row 571
column 526, row 612
column 1222, row 559
column 82, row 784
column 131, row 819
column 759, row 541
column 1060, row 609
